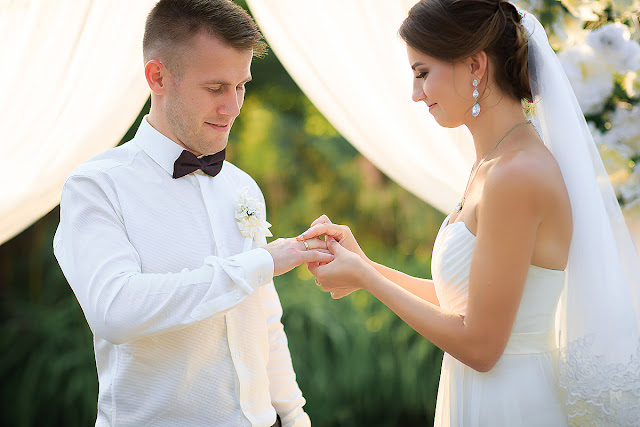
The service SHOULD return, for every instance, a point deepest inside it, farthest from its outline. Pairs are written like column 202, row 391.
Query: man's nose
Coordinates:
column 231, row 104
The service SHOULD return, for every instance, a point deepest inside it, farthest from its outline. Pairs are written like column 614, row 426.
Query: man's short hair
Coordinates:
column 172, row 24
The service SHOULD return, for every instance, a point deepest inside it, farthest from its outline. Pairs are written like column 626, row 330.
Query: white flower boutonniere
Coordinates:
column 251, row 217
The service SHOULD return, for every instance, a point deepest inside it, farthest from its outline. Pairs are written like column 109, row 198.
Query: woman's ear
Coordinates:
column 477, row 64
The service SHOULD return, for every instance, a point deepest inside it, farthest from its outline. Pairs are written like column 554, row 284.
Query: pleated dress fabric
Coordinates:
column 522, row 389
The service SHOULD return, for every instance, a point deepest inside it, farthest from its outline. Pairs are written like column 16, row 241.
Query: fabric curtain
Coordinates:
column 349, row 60
column 72, row 86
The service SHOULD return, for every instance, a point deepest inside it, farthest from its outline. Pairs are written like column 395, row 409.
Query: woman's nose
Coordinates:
column 418, row 94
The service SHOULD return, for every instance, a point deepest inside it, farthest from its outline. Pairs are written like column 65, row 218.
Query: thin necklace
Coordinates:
column 473, row 176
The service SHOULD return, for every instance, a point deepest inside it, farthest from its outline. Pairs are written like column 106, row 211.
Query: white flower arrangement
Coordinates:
column 591, row 79
column 250, row 216
column 630, row 190
column 597, row 44
column 613, row 43
column 625, row 130
column 587, row 10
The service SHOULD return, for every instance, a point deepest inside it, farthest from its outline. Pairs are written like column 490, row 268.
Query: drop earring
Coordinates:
column 475, row 110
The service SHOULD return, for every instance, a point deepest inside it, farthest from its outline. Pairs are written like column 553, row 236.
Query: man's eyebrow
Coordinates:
column 417, row 64
column 222, row 82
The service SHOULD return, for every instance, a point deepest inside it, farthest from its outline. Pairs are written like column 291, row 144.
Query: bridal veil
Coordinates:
column 597, row 321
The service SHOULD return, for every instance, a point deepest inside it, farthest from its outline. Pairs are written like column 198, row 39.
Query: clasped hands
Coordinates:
column 337, row 262
column 348, row 270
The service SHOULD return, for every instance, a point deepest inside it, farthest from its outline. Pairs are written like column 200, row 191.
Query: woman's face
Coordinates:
column 445, row 87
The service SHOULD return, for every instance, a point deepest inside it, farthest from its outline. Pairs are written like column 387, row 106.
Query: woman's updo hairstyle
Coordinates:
column 452, row 30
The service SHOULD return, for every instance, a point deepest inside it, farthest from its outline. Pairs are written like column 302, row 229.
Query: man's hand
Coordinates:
column 290, row 253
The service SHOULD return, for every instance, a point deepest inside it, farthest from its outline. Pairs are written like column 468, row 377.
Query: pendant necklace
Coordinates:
column 473, row 175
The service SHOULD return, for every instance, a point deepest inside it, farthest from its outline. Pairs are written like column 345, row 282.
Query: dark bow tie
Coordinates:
column 188, row 162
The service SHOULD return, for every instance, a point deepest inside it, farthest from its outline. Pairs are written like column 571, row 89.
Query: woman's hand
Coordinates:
column 347, row 272
column 341, row 233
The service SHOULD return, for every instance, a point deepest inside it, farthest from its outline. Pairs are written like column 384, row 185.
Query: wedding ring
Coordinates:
column 306, row 245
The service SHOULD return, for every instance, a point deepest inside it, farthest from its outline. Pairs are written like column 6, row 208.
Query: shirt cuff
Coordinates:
column 257, row 265
column 245, row 272
column 302, row 420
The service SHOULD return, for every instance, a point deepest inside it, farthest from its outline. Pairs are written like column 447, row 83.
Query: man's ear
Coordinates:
column 155, row 73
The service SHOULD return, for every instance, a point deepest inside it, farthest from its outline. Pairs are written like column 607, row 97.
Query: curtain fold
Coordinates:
column 72, row 87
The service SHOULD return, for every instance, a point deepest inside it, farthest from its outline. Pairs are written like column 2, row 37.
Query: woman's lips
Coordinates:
column 432, row 105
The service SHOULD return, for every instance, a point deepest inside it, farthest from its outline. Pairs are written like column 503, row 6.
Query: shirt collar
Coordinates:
column 161, row 149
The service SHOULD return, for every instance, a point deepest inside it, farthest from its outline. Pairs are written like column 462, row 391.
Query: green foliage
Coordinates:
column 47, row 369
column 356, row 361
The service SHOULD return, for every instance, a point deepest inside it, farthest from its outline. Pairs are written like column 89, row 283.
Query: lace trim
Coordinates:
column 599, row 393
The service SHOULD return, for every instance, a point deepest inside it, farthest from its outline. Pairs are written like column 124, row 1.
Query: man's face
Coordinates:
column 204, row 96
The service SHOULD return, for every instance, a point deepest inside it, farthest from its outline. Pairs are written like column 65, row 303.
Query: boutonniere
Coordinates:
column 251, row 217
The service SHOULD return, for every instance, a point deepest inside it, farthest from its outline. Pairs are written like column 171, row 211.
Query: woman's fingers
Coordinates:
column 323, row 219
column 313, row 268
column 327, row 229
column 335, row 277
column 316, row 256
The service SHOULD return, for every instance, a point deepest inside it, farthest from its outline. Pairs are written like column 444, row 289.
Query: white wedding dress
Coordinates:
column 522, row 389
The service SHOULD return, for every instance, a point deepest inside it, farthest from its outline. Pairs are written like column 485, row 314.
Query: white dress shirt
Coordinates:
column 186, row 326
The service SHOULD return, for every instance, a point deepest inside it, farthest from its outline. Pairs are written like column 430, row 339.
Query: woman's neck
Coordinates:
column 494, row 121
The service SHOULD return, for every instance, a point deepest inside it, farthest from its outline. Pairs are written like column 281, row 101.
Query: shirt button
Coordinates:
column 237, row 295
column 237, row 355
column 259, row 279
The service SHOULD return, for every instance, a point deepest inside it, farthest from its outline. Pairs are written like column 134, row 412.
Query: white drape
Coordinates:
column 348, row 59
column 71, row 87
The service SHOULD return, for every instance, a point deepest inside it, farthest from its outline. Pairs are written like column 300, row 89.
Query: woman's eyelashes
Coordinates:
column 422, row 75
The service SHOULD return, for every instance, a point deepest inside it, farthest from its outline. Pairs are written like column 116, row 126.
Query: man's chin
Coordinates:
column 213, row 147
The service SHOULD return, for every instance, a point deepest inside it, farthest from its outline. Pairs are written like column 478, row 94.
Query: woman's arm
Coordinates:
column 508, row 218
column 423, row 288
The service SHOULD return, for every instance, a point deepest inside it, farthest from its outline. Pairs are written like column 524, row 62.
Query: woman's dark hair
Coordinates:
column 452, row 30
column 172, row 24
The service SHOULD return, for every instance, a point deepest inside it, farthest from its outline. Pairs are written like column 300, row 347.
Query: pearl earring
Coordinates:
column 475, row 110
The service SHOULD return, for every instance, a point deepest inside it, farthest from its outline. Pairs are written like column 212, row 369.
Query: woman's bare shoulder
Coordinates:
column 530, row 173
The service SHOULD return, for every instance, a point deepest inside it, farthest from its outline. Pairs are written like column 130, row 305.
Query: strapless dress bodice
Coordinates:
column 533, row 329
column 522, row 387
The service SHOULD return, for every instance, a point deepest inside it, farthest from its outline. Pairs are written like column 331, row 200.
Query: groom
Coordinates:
column 164, row 244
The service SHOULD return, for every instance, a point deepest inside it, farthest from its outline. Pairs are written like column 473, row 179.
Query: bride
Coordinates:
column 534, row 297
